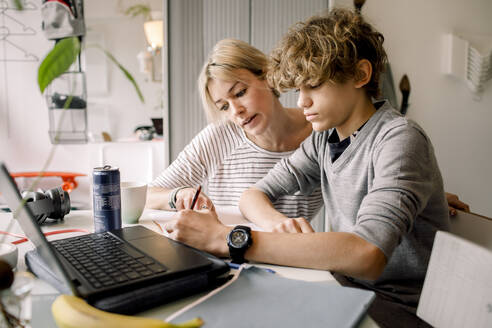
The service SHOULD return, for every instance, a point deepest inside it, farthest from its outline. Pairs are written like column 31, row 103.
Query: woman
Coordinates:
column 250, row 132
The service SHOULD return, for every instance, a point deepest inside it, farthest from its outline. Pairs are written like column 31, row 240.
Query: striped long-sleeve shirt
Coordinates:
column 225, row 162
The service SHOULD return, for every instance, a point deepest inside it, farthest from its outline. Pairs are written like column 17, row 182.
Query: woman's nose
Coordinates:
column 304, row 101
column 237, row 107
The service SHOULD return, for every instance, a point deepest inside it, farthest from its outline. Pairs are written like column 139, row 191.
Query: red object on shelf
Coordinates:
column 68, row 178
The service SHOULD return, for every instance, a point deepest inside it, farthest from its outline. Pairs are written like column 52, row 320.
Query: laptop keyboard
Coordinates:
column 104, row 261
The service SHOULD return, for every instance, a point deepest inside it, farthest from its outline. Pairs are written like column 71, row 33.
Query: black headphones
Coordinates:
column 53, row 204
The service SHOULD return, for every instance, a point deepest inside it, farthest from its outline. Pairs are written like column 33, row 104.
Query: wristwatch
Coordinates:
column 239, row 240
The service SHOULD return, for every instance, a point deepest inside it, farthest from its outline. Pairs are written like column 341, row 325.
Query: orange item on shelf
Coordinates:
column 68, row 178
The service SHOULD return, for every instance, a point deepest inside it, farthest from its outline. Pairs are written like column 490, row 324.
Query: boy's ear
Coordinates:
column 363, row 73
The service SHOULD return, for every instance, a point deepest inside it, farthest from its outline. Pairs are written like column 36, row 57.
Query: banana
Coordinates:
column 73, row 312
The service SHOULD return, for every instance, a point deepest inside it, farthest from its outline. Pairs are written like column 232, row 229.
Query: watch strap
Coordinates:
column 172, row 196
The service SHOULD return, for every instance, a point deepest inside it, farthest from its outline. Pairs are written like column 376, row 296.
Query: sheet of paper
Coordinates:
column 229, row 215
column 458, row 285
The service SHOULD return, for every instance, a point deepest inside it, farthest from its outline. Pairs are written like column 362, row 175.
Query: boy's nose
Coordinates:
column 304, row 101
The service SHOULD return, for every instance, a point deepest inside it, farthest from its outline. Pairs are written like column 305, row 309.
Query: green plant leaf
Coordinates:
column 58, row 60
column 18, row 5
column 124, row 70
column 139, row 9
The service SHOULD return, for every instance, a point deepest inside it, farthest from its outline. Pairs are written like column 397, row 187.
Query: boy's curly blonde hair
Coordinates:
column 327, row 48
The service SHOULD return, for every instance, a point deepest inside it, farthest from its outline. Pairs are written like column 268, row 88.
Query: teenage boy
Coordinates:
column 382, row 189
column 380, row 180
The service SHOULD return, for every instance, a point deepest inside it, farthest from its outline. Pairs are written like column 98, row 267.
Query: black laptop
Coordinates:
column 124, row 271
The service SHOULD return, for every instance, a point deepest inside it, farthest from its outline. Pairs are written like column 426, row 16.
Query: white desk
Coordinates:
column 44, row 294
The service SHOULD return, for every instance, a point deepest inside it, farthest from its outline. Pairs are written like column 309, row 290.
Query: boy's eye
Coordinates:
column 314, row 86
column 296, row 90
column 240, row 93
column 224, row 107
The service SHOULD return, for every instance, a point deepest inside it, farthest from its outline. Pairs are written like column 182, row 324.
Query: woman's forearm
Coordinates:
column 158, row 198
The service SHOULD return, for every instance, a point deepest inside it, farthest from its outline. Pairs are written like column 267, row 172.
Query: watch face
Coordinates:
column 238, row 238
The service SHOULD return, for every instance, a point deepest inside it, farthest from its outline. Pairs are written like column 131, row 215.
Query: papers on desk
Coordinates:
column 228, row 215
column 262, row 299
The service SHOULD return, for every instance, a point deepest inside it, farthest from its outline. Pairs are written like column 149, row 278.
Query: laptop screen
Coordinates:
column 27, row 222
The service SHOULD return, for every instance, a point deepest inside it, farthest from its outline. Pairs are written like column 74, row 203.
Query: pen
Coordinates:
column 195, row 198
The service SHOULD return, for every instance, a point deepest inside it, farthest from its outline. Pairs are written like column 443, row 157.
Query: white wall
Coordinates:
column 24, row 140
column 459, row 126
column 119, row 110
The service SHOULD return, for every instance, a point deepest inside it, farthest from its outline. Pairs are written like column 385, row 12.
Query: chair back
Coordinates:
column 473, row 227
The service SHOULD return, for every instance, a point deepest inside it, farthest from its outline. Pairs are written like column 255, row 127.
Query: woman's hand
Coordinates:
column 200, row 229
column 454, row 203
column 184, row 198
column 295, row 225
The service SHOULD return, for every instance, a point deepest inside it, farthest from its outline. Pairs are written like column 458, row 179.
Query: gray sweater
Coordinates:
column 386, row 188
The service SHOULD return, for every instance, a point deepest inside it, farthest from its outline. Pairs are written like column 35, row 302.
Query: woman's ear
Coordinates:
column 363, row 73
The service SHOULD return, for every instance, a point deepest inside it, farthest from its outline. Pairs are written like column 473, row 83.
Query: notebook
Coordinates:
column 258, row 298
column 124, row 271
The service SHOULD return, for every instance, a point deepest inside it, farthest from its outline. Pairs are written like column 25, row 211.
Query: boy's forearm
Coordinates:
column 342, row 252
column 158, row 198
column 257, row 207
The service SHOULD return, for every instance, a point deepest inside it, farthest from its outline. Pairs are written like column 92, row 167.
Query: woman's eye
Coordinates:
column 296, row 90
column 314, row 86
column 224, row 107
column 241, row 93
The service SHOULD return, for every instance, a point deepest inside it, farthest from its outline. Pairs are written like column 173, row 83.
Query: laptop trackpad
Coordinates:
column 173, row 255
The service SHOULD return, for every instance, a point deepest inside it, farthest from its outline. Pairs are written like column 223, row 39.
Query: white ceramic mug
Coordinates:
column 9, row 253
column 133, row 197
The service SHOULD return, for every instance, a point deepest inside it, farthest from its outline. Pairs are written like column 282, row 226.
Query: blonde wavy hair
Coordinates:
column 327, row 48
column 224, row 60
